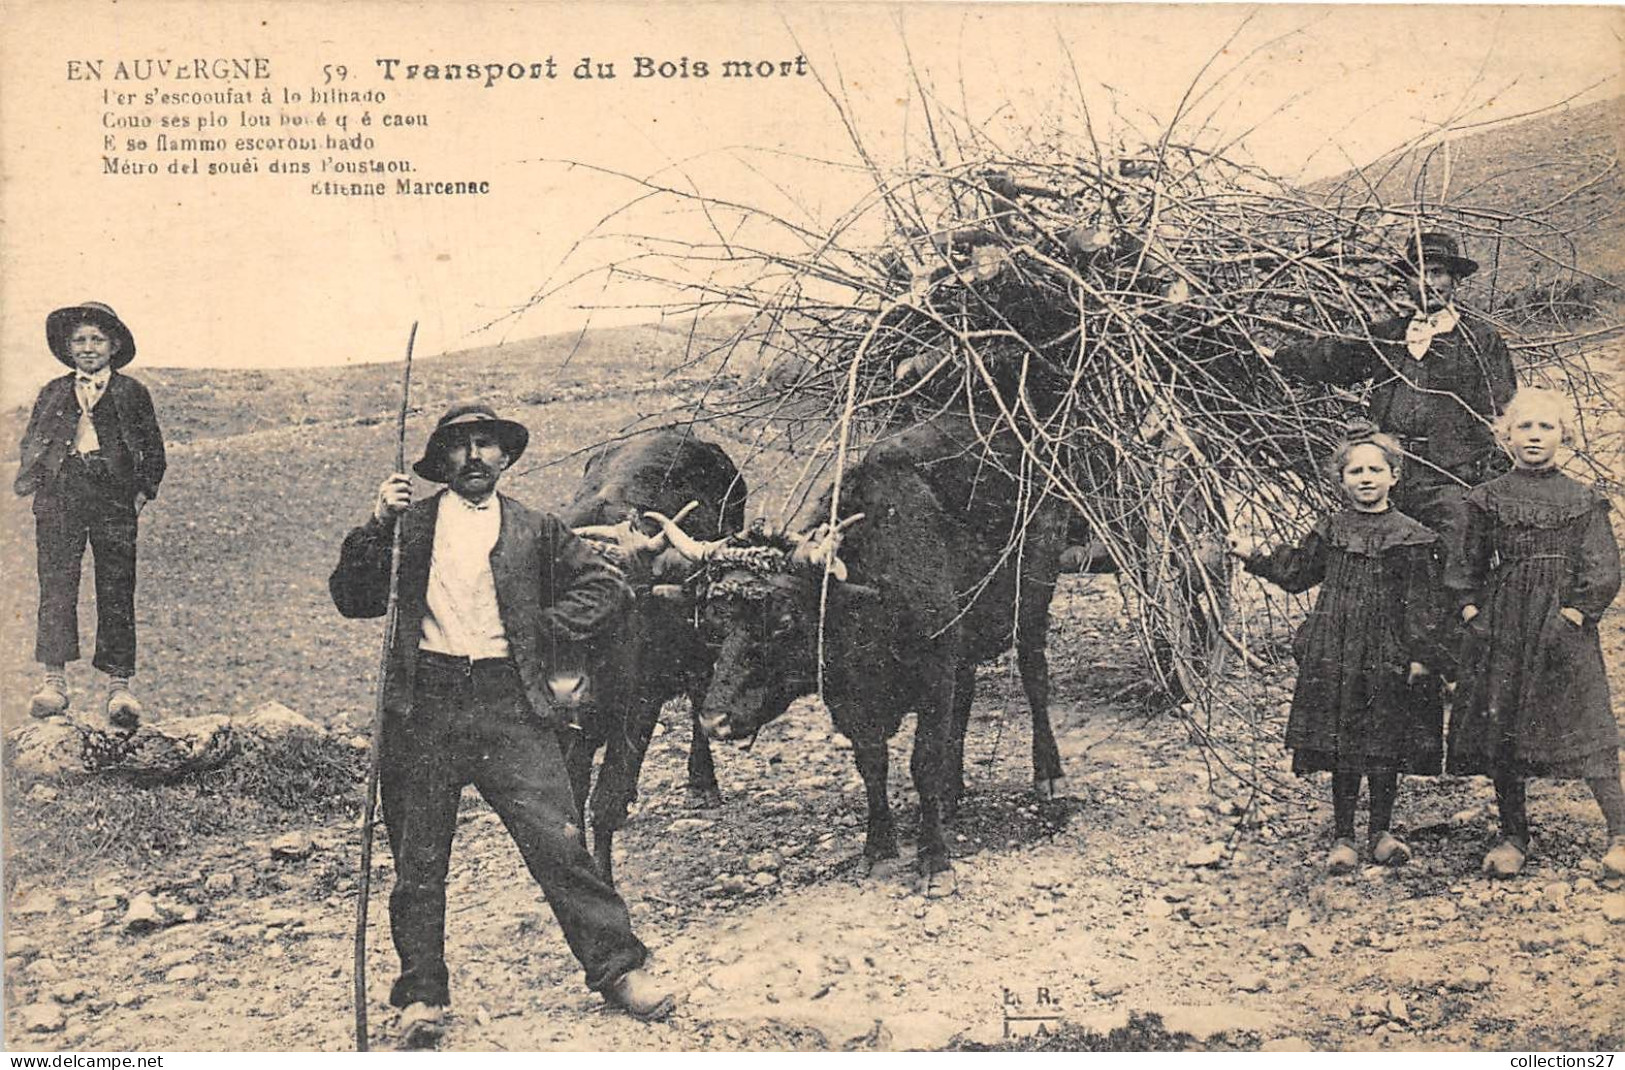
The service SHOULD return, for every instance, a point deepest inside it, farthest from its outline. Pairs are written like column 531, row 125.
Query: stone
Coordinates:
column 143, row 915
column 69, row 992
column 1613, row 908
column 40, row 902
column 47, row 749
column 180, row 745
column 189, row 972
column 1158, row 909
column 1472, row 979
column 292, row 847
column 92, row 921
column 1397, row 1010
column 42, row 1018
column 1043, row 908
column 280, row 917
column 43, row 970
column 764, row 862
column 1109, row 989
column 1293, row 1043
column 1556, row 893
column 690, row 824
column 1595, row 935
column 178, row 957
column 220, row 884
column 765, row 880
column 272, row 720
column 1252, row 982
column 42, row 793
column 1208, row 855
column 1298, row 919
column 129, row 997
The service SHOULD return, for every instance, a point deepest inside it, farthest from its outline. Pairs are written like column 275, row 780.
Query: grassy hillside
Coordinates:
column 1561, row 168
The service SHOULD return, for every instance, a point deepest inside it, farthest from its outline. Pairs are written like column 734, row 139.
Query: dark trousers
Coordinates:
column 83, row 504
column 1439, row 503
column 472, row 724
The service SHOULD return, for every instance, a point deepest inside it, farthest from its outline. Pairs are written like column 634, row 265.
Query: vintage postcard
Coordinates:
column 823, row 526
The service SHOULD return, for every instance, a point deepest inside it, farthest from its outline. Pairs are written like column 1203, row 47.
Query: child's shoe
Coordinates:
column 123, row 711
column 1506, row 859
column 1614, row 860
column 1342, row 857
column 1389, row 850
column 52, row 697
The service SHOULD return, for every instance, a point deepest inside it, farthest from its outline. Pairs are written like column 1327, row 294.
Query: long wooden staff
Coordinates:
column 370, row 809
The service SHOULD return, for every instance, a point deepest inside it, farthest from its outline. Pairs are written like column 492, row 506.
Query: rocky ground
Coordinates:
column 1162, row 887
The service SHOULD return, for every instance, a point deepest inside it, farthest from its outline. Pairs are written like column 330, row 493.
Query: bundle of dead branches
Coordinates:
column 1118, row 312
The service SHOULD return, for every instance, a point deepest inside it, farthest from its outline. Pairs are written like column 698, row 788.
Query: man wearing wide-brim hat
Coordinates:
column 490, row 594
column 1439, row 378
column 92, row 457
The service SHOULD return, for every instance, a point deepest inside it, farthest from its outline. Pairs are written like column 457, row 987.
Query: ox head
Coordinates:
column 757, row 597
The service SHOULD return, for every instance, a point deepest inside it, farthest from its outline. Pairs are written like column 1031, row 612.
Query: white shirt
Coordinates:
column 462, row 618
column 89, row 390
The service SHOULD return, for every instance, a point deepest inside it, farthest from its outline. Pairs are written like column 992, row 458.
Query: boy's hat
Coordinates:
column 59, row 326
column 1436, row 248
column 513, row 436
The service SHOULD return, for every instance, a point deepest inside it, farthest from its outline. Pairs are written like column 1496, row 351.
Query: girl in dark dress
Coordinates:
column 1541, row 567
column 1367, row 702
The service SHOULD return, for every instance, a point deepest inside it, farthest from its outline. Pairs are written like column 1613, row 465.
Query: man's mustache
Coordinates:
column 475, row 468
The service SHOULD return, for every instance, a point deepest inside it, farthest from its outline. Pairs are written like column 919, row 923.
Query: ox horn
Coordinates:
column 626, row 535
column 682, row 541
column 819, row 547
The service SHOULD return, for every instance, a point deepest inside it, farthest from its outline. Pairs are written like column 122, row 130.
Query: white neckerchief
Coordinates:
column 88, row 389
column 1424, row 325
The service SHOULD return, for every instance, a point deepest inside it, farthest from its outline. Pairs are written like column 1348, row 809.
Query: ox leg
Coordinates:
column 880, row 840
column 703, row 792
column 964, row 693
column 933, row 743
column 617, row 787
column 1048, row 779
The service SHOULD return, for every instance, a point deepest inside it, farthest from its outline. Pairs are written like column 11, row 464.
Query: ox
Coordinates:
column 950, row 556
column 659, row 654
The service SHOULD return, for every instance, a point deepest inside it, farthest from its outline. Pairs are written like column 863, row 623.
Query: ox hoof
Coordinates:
column 702, row 799
column 941, row 885
column 884, row 868
column 1054, row 788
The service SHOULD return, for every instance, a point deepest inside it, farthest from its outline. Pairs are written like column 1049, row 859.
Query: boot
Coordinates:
column 123, row 711
column 1614, row 860
column 51, row 699
column 1342, row 858
column 1506, row 859
column 1389, row 850
column 641, row 996
column 419, row 1027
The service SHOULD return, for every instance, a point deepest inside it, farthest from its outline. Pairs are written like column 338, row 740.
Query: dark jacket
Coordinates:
column 1447, row 398
column 126, row 426
column 553, row 591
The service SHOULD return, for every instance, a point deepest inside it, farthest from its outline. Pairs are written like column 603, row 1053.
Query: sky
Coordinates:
column 254, row 271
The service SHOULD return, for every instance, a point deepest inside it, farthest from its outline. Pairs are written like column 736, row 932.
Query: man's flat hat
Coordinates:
column 1435, row 247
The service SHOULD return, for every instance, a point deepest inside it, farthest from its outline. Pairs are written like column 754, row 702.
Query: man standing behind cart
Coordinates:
column 1439, row 378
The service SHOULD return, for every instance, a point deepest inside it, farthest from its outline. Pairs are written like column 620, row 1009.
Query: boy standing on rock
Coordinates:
column 92, row 457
